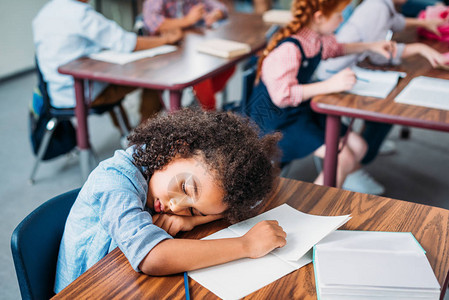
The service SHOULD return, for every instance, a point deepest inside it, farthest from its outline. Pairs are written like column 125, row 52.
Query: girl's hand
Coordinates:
column 173, row 224
column 212, row 17
column 434, row 57
column 172, row 36
column 195, row 14
column 342, row 81
column 385, row 48
column 264, row 237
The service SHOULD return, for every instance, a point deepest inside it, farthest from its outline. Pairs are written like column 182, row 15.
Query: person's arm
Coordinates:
column 430, row 25
column 147, row 42
column 434, row 57
column 196, row 13
column 340, row 82
column 385, row 48
column 179, row 255
column 173, row 224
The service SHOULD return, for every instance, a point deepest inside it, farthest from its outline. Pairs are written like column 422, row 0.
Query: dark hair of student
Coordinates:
column 241, row 162
column 302, row 11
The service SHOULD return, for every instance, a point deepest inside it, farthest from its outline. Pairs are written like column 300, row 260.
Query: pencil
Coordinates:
column 356, row 77
column 186, row 286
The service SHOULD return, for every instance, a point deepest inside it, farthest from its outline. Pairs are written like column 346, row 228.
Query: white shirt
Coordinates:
column 65, row 30
column 370, row 22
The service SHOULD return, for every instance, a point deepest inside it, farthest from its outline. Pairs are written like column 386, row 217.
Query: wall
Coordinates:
column 16, row 39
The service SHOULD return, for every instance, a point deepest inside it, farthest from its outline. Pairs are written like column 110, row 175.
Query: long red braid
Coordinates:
column 302, row 11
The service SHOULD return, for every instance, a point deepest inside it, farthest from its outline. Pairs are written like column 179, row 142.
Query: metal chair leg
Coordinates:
column 50, row 128
column 118, row 112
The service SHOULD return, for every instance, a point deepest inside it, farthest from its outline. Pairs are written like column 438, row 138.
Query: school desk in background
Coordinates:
column 384, row 110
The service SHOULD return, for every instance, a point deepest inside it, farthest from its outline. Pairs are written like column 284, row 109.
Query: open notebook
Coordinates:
column 375, row 83
column 373, row 265
column 124, row 58
column 239, row 278
column 427, row 92
column 223, row 48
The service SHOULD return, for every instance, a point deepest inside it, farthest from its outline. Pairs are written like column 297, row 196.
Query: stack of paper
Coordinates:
column 277, row 16
column 375, row 83
column 373, row 265
column 239, row 278
column 426, row 91
column 124, row 58
column 223, row 48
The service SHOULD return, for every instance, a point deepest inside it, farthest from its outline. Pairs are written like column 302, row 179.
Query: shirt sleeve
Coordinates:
column 212, row 5
column 398, row 22
column 128, row 223
column 106, row 33
column 153, row 14
column 279, row 71
column 331, row 48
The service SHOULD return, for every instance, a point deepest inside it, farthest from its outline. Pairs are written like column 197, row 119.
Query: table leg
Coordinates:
column 331, row 157
column 82, row 133
column 175, row 100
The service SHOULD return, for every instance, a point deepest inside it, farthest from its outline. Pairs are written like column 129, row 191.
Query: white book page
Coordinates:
column 303, row 230
column 237, row 279
column 374, row 83
column 124, row 58
column 382, row 241
column 427, row 92
column 364, row 261
column 374, row 269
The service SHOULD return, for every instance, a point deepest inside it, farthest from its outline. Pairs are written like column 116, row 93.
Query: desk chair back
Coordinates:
column 35, row 246
column 53, row 133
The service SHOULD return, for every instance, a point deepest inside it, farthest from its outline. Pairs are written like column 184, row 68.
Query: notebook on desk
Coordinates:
column 223, row 48
column 373, row 265
column 239, row 278
column 426, row 91
column 277, row 16
column 375, row 83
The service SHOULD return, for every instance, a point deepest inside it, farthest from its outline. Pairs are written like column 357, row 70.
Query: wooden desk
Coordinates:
column 381, row 110
column 113, row 277
column 174, row 71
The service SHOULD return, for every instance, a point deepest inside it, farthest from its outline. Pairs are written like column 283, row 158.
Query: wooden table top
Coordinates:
column 113, row 277
column 181, row 68
column 386, row 110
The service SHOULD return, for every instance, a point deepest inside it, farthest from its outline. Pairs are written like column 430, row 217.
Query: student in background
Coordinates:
column 371, row 21
column 160, row 15
column 280, row 100
column 65, row 30
column 182, row 170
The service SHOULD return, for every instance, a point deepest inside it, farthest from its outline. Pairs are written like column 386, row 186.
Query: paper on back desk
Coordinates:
column 124, row 58
column 239, row 278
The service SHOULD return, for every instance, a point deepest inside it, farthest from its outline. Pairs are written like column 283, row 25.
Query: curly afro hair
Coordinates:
column 243, row 164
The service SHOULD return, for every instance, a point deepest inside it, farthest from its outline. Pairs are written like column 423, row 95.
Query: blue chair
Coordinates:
column 35, row 246
column 66, row 114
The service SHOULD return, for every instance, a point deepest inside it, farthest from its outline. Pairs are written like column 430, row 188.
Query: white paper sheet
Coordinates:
column 237, row 279
column 124, row 58
column 427, row 92
column 375, row 83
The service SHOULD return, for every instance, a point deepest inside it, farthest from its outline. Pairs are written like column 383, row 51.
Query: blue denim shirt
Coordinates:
column 110, row 211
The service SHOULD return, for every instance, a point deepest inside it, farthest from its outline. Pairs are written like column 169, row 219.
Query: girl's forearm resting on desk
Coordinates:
column 179, row 255
column 143, row 43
